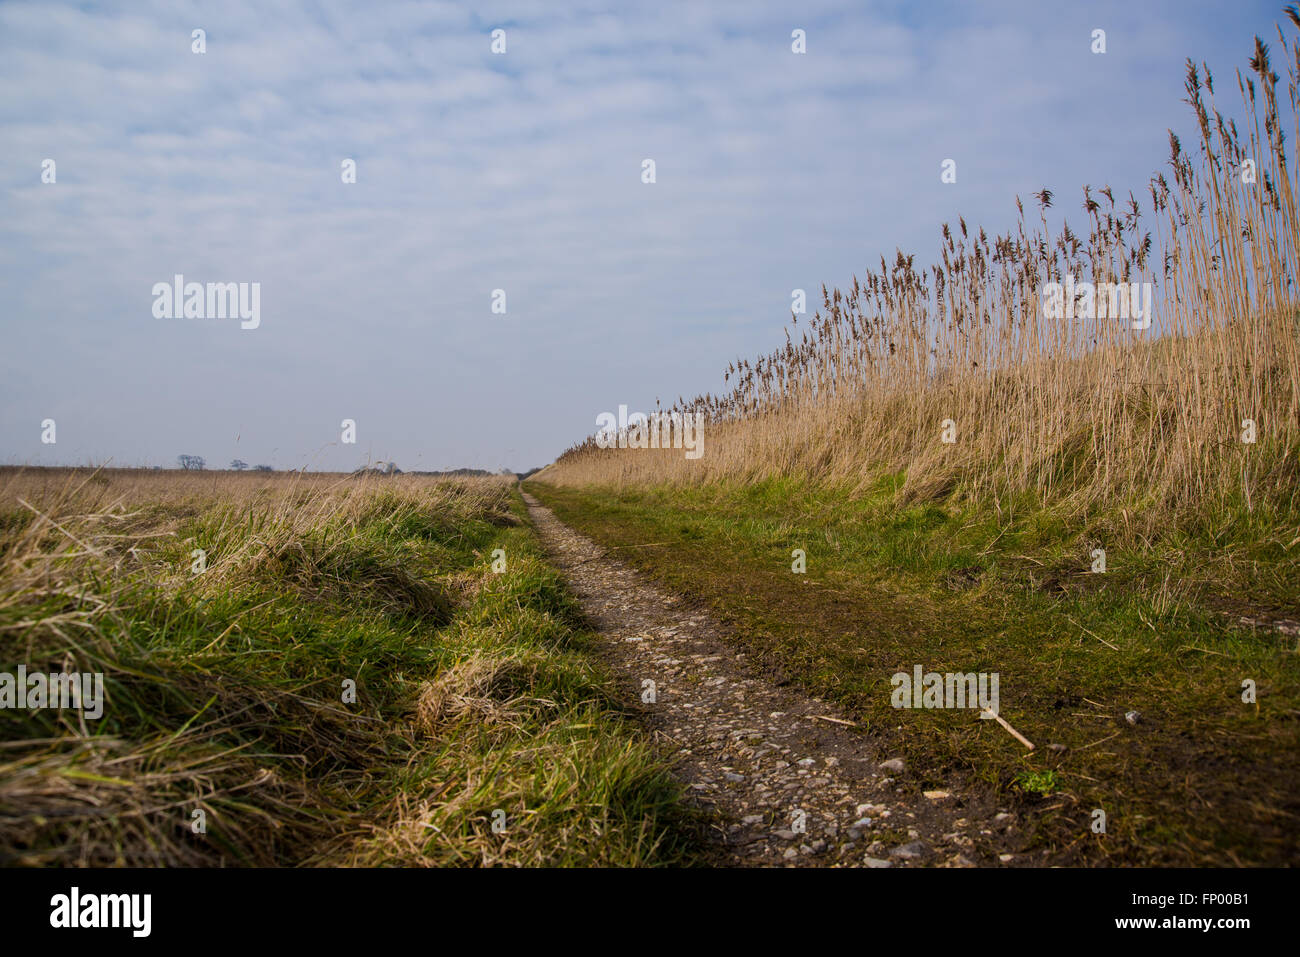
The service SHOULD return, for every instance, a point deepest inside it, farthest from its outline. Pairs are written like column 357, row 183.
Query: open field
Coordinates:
column 225, row 687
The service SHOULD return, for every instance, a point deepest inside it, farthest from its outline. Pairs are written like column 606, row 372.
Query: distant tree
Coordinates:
column 191, row 462
column 239, row 465
column 261, row 468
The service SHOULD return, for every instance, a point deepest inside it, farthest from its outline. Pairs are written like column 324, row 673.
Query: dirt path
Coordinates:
column 789, row 781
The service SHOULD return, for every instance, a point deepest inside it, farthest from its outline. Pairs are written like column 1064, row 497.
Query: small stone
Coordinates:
column 733, row 777
column 877, row 862
column 1003, row 817
column 1005, row 857
column 1132, row 717
column 909, row 851
column 936, row 795
column 961, row 860
column 784, row 834
column 861, row 823
column 752, row 819
column 805, row 762
column 893, row 764
column 818, row 846
column 1054, row 746
column 854, row 834
column 790, row 853
column 832, row 762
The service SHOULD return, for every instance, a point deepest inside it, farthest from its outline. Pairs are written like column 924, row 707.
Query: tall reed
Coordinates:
column 1090, row 408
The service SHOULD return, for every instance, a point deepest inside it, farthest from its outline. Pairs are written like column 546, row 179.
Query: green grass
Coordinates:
column 474, row 694
column 1201, row 778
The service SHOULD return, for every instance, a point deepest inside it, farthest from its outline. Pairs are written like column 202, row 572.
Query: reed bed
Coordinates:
column 1083, row 410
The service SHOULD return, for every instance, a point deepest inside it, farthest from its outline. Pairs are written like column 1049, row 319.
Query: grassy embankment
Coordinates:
column 225, row 687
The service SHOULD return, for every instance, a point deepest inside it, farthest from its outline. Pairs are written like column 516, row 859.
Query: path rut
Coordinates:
column 784, row 777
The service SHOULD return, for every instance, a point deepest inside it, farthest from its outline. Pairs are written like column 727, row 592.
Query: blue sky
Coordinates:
column 519, row 172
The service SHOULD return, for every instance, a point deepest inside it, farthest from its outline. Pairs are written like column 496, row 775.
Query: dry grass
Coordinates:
column 479, row 686
column 224, row 687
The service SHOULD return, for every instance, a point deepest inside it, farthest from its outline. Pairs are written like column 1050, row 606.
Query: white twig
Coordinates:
column 822, row 717
column 987, row 713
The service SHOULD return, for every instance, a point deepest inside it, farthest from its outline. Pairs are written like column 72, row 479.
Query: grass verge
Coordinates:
column 346, row 681
column 1201, row 778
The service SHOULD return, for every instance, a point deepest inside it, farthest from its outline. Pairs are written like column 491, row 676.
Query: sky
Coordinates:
column 519, row 171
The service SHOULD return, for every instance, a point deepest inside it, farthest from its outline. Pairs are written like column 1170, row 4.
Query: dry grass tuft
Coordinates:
column 483, row 687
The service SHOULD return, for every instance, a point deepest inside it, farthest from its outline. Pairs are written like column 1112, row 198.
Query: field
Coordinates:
column 1062, row 456
column 343, row 679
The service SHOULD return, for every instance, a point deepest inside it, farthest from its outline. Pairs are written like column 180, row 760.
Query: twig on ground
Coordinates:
column 1002, row 721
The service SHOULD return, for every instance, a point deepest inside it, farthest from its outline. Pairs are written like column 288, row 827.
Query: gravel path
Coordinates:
column 785, row 776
